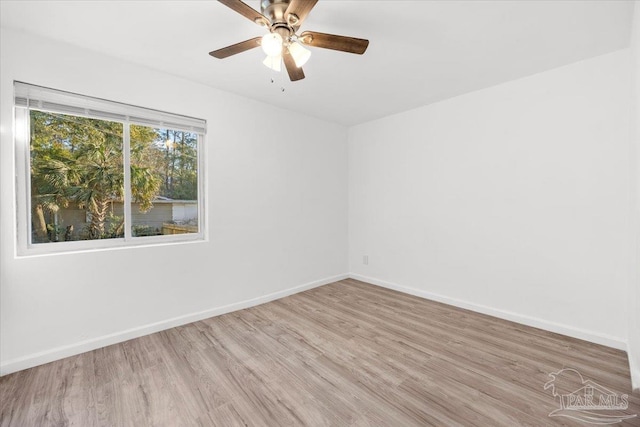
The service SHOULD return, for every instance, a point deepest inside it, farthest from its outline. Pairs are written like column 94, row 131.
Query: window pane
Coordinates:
column 77, row 178
column 164, row 181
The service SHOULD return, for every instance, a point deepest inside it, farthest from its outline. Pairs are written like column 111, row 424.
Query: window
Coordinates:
column 103, row 174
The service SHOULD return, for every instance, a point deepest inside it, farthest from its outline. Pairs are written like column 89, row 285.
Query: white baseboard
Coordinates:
column 634, row 369
column 594, row 337
column 57, row 353
column 635, row 379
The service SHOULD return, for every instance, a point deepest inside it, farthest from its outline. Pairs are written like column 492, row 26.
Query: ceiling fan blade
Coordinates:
column 246, row 11
column 295, row 73
column 236, row 48
column 331, row 41
column 301, row 9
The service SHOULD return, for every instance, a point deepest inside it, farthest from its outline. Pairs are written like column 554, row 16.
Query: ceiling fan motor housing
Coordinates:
column 275, row 10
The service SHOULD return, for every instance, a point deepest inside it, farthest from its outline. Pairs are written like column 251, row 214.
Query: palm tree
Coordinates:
column 80, row 160
column 99, row 167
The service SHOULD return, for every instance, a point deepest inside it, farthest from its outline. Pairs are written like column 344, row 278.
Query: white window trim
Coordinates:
column 155, row 118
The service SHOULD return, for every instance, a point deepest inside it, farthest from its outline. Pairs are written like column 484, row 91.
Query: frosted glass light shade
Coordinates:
column 273, row 62
column 300, row 54
column 272, row 44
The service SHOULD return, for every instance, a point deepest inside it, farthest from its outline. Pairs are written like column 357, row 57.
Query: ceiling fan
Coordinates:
column 283, row 19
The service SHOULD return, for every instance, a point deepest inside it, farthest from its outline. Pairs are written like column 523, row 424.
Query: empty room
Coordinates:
column 319, row 212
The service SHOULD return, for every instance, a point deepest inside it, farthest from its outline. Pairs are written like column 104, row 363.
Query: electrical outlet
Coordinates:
column 365, row 259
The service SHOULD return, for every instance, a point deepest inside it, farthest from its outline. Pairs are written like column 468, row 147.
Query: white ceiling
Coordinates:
column 420, row 51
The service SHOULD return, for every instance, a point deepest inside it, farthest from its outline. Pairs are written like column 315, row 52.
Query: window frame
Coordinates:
column 22, row 141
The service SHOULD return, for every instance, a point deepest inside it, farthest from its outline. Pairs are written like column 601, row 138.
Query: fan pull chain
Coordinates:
column 274, row 78
column 282, row 82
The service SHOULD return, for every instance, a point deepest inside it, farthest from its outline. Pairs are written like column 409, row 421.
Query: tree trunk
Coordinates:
column 98, row 218
column 39, row 225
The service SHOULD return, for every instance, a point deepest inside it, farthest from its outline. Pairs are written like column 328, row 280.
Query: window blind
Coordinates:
column 56, row 101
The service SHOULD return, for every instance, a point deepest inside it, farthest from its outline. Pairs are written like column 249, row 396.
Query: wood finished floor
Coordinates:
column 345, row 354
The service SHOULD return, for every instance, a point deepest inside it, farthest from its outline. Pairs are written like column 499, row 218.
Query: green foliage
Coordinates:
column 77, row 160
column 53, row 232
column 144, row 230
column 175, row 160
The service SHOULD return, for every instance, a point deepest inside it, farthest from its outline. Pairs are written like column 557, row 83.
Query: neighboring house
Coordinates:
column 167, row 216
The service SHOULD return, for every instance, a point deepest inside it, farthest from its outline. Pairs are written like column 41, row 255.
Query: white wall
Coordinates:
column 634, row 291
column 277, row 215
column 512, row 200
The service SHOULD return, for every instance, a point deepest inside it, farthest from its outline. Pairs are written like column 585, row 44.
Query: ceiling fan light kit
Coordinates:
column 282, row 43
column 272, row 44
column 273, row 62
column 299, row 53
